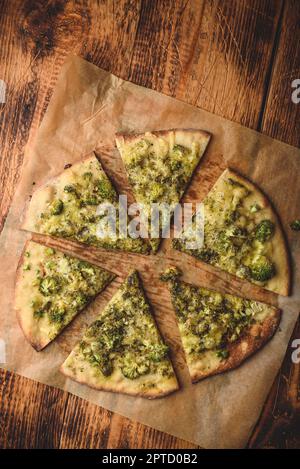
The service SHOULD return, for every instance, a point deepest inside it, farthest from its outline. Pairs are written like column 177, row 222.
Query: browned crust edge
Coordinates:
column 38, row 346
column 130, row 136
column 286, row 287
column 237, row 356
column 40, row 187
column 148, row 395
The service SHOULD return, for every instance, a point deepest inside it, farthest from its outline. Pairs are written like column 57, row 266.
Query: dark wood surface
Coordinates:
column 235, row 58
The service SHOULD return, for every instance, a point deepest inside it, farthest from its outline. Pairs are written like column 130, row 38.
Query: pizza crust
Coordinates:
column 281, row 282
column 275, row 248
column 116, row 382
column 152, row 384
column 162, row 142
column 45, row 193
column 37, row 339
column 247, row 345
column 184, row 137
column 53, row 190
column 36, row 332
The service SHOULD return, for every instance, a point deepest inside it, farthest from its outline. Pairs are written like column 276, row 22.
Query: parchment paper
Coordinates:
column 88, row 106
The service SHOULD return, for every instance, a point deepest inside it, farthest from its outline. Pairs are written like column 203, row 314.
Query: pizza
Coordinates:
column 160, row 165
column 51, row 289
column 122, row 350
column 218, row 331
column 242, row 235
column 67, row 207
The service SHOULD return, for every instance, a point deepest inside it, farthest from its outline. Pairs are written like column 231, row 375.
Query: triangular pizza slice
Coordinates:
column 160, row 165
column 122, row 350
column 51, row 289
column 68, row 207
column 218, row 331
column 242, row 234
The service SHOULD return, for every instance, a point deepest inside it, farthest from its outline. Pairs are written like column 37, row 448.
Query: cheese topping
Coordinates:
column 55, row 287
column 237, row 236
column 209, row 321
column 124, row 338
column 70, row 208
column 159, row 169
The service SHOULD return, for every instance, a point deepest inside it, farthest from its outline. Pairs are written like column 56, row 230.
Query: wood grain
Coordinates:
column 281, row 117
column 213, row 54
column 232, row 57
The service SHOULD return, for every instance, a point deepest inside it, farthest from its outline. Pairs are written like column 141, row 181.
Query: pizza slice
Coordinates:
column 242, row 235
column 218, row 331
column 51, row 289
column 122, row 351
column 160, row 165
column 68, row 207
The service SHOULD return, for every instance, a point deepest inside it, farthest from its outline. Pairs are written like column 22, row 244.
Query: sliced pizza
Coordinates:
column 159, row 166
column 51, row 288
column 242, row 235
column 68, row 207
column 122, row 351
column 218, row 331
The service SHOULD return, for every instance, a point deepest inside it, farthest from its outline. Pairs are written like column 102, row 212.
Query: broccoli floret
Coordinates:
column 69, row 188
column 91, row 201
column 105, row 189
column 156, row 191
column 88, row 175
column 39, row 310
column 57, row 207
column 175, row 165
column 134, row 366
column 49, row 285
column 102, row 362
column 106, row 367
column 295, row 225
column 178, row 150
column 207, row 255
column 56, row 315
column 158, row 352
column 80, row 300
column 133, row 370
column 262, row 269
column 170, row 274
column 264, row 230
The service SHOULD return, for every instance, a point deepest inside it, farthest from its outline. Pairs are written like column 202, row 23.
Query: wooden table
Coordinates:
column 236, row 58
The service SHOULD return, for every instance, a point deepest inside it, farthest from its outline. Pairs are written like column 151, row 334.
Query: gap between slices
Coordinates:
column 242, row 235
column 51, row 289
column 160, row 165
column 122, row 350
column 218, row 331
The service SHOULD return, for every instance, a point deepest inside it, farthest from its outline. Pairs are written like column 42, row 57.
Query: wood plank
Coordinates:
column 279, row 423
column 35, row 42
column 212, row 54
column 226, row 72
column 31, row 413
column 281, row 117
column 92, row 426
